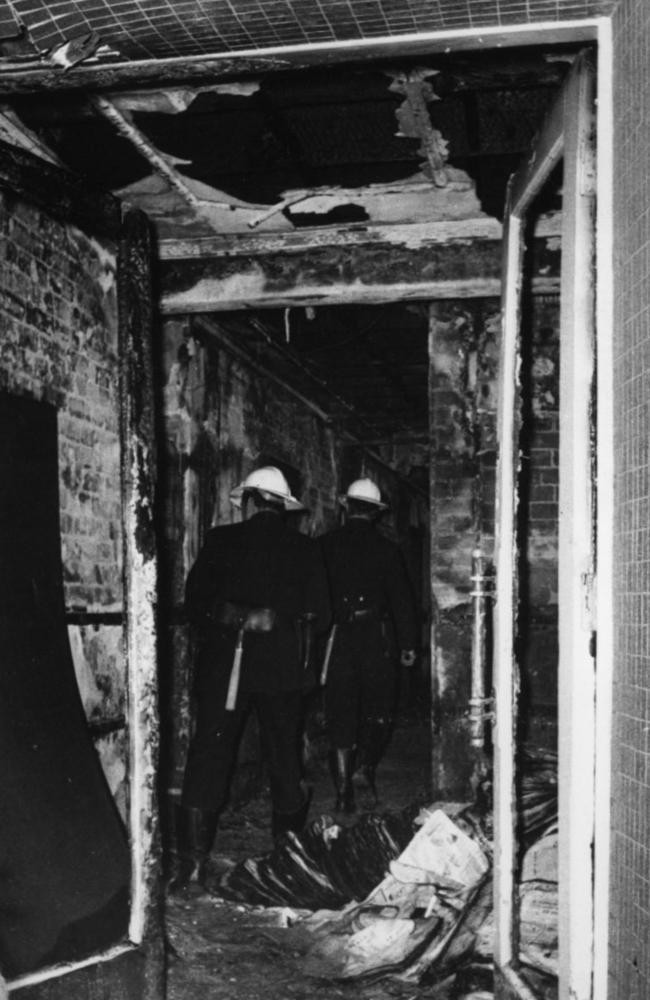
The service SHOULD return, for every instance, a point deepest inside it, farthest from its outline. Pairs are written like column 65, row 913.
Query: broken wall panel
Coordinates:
column 59, row 310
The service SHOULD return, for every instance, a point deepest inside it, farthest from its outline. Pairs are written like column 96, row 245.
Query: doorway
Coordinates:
column 567, row 140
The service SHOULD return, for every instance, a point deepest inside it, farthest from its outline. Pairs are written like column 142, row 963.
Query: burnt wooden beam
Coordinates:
column 19, row 78
column 371, row 264
column 296, row 241
column 139, row 562
column 64, row 195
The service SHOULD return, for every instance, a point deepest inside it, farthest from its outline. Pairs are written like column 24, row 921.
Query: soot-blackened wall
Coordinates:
column 58, row 305
column 463, row 405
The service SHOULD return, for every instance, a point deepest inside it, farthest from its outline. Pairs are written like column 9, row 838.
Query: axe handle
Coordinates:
column 235, row 671
column 328, row 654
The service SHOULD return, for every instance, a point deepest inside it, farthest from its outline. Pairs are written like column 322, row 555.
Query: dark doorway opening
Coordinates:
column 64, row 861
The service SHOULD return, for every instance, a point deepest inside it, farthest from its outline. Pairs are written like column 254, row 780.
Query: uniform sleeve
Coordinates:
column 201, row 585
column 401, row 600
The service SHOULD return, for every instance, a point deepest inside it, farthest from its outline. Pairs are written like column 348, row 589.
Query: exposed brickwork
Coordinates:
column 629, row 953
column 463, row 449
column 540, row 444
column 463, row 399
column 57, row 302
column 59, row 343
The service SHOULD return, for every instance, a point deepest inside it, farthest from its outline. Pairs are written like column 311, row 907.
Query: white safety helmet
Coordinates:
column 270, row 484
column 363, row 489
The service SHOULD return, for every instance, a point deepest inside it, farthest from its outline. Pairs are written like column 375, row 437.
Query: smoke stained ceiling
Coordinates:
column 255, row 141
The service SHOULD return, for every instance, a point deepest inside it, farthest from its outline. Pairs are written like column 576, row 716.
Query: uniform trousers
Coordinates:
column 213, row 749
column 361, row 687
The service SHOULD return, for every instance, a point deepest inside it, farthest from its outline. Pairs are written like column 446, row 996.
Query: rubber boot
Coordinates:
column 286, row 822
column 195, row 831
column 374, row 744
column 343, row 782
column 365, row 777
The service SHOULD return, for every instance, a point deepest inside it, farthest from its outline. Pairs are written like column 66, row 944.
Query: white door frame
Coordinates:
column 567, row 136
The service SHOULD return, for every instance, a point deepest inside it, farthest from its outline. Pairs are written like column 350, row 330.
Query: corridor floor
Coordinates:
column 219, row 949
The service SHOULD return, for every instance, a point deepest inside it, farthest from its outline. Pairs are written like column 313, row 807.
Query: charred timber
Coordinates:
column 410, row 267
column 138, row 465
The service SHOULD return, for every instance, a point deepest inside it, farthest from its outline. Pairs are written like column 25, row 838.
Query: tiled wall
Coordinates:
column 629, row 955
column 145, row 28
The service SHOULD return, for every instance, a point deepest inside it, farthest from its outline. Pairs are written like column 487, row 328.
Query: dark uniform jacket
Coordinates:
column 259, row 563
column 367, row 570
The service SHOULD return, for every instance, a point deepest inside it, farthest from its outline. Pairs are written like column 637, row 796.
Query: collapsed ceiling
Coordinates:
column 382, row 142
column 263, row 147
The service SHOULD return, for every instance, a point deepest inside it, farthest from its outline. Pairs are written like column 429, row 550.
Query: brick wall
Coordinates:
column 462, row 396
column 538, row 509
column 59, row 341
column 629, row 953
column 463, row 401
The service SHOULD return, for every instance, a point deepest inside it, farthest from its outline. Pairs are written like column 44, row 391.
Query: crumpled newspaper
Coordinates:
column 415, row 910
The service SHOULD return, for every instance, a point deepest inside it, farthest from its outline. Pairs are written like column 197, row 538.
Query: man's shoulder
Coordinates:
column 224, row 532
column 301, row 542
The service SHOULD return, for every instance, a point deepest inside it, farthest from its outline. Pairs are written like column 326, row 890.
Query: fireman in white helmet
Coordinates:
column 374, row 631
column 257, row 591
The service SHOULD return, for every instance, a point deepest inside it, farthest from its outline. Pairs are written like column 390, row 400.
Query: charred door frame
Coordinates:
column 584, row 694
column 70, row 200
column 597, row 30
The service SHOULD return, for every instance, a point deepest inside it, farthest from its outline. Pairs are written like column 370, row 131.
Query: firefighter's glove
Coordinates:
column 407, row 657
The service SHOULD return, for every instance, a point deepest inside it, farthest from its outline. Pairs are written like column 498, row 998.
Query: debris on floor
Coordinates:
column 395, row 905
column 430, row 912
column 408, row 921
column 324, row 867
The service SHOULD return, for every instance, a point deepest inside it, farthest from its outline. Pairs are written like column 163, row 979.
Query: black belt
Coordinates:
column 244, row 617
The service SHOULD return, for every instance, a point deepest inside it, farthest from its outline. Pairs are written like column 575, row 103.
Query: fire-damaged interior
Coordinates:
column 209, row 269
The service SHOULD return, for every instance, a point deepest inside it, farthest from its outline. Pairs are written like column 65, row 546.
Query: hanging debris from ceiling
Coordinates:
column 414, row 121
